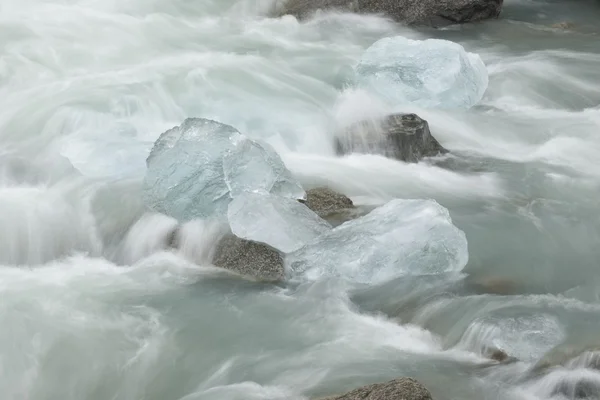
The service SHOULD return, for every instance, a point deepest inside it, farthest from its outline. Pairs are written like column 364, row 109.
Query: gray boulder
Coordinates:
column 436, row 13
column 253, row 260
column 405, row 137
column 398, row 389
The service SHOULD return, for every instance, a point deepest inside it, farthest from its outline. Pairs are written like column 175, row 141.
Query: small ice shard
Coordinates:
column 252, row 166
column 403, row 237
column 282, row 223
column 195, row 169
column 427, row 73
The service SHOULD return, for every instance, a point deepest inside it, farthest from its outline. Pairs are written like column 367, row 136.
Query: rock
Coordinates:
column 332, row 206
column 254, row 260
column 398, row 389
column 325, row 201
column 405, row 137
column 434, row 13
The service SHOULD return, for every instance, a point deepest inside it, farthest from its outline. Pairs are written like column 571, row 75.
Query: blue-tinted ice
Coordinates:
column 427, row 73
column 195, row 169
column 403, row 237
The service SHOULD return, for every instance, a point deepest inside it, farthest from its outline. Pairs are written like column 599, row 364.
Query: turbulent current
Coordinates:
column 92, row 305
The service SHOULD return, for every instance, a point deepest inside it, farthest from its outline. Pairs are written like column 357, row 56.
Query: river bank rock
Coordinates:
column 397, row 389
column 436, row 13
column 405, row 137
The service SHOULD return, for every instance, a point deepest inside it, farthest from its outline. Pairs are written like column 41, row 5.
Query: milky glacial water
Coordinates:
column 94, row 307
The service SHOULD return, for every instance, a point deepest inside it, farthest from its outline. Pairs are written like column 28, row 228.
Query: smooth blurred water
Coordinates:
column 95, row 307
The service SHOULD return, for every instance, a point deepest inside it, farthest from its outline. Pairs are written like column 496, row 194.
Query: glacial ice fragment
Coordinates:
column 428, row 73
column 282, row 223
column 195, row 169
column 403, row 237
column 252, row 166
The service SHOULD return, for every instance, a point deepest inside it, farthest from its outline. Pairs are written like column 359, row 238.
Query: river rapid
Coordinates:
column 92, row 307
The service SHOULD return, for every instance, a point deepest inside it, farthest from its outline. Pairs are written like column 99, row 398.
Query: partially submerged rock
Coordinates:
column 332, row 206
column 397, row 389
column 254, row 260
column 324, row 201
column 434, row 13
column 405, row 137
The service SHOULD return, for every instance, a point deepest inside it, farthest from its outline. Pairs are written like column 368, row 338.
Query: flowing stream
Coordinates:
column 93, row 307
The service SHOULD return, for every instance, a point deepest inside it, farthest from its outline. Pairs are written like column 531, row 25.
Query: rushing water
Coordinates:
column 93, row 308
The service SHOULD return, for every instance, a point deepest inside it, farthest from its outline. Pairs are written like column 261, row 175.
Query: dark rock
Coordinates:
column 398, row 389
column 254, row 260
column 435, row 13
column 405, row 137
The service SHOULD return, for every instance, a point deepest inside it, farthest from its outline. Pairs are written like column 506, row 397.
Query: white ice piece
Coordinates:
column 195, row 169
column 282, row 223
column 403, row 237
column 430, row 73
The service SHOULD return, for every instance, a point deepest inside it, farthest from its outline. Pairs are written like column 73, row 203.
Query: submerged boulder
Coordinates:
column 405, row 137
column 398, row 389
column 434, row 13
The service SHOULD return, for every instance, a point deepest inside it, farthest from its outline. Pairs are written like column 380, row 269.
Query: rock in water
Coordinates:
column 405, row 137
column 398, row 389
column 195, row 169
column 427, row 73
column 403, row 237
column 251, row 259
column 281, row 223
column 332, row 206
column 324, row 201
column 435, row 13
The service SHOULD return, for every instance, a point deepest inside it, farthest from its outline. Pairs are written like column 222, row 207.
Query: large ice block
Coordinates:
column 256, row 167
column 282, row 223
column 428, row 73
column 403, row 237
column 195, row 169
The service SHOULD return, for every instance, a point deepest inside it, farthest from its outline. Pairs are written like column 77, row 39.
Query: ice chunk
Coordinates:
column 282, row 223
column 403, row 237
column 251, row 166
column 427, row 73
column 195, row 169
